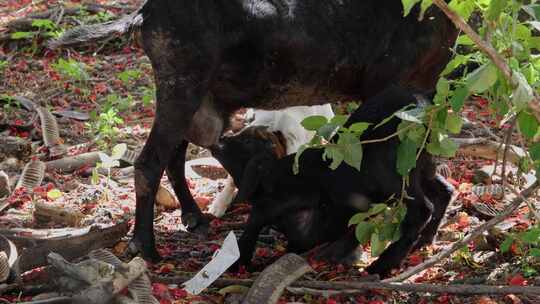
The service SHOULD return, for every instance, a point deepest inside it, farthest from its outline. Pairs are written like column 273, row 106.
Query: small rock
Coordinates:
column 166, row 199
column 493, row 190
column 234, row 298
column 482, row 256
column 5, row 189
column 449, row 235
column 481, row 177
column 502, row 227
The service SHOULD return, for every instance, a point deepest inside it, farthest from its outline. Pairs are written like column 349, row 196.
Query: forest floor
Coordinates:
column 107, row 89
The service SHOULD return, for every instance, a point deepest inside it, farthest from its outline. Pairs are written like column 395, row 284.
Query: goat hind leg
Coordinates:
column 149, row 168
column 175, row 108
column 192, row 216
column 419, row 212
column 439, row 191
column 343, row 251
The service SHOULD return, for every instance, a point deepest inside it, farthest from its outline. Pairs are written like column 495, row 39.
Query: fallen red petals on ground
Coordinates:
column 415, row 259
column 517, row 280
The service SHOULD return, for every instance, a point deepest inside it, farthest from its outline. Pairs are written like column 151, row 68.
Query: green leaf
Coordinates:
column 528, row 125
column 505, row 246
column 417, row 134
column 23, row 35
column 464, row 40
column 45, row 24
column 377, row 245
column 377, row 208
column 443, row 87
column 359, row 127
column 408, row 5
column 339, row 120
column 463, row 7
column 388, row 231
column 54, row 194
column 357, row 218
column 534, row 151
column 406, row 156
column 482, row 78
column 531, row 236
column 449, row 147
column 453, row 123
column 534, row 252
column 424, row 6
column 327, row 130
column 458, row 99
column 523, row 93
column 352, row 150
column 454, row 63
column 441, row 145
column 495, row 9
column 334, row 153
column 363, row 231
column 313, row 123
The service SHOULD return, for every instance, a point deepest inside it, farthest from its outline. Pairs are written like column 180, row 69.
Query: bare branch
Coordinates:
column 360, row 285
column 472, row 236
column 488, row 49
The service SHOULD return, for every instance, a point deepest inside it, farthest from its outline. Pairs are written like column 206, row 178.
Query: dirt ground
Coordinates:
column 27, row 69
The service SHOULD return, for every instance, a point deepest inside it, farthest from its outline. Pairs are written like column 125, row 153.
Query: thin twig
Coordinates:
column 531, row 206
column 507, row 140
column 488, row 49
column 465, row 289
column 462, row 289
column 372, row 141
column 470, row 237
column 483, row 45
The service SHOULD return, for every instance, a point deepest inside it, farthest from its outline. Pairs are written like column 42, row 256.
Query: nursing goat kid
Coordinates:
column 211, row 58
column 284, row 127
column 314, row 206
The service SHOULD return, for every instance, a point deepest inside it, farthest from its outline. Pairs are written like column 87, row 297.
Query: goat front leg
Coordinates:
column 223, row 199
column 192, row 217
column 257, row 220
column 176, row 105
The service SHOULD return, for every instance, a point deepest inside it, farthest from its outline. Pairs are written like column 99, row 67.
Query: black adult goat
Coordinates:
column 314, row 206
column 213, row 57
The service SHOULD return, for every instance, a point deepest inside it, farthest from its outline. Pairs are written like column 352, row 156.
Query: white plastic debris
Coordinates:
column 222, row 260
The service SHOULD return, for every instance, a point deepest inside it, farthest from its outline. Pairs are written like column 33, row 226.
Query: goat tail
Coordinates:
column 93, row 32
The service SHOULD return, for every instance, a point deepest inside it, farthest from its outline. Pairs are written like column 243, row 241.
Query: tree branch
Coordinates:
column 360, row 286
column 488, row 49
column 483, row 45
column 470, row 237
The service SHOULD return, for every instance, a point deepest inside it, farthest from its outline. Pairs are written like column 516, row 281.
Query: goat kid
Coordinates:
column 314, row 206
column 285, row 125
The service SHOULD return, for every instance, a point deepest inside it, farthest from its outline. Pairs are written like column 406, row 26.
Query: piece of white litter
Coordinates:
column 221, row 261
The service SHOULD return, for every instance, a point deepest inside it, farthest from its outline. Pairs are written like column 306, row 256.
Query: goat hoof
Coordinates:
column 423, row 241
column 240, row 267
column 379, row 268
column 148, row 252
column 196, row 223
